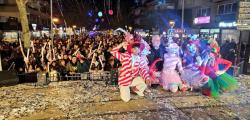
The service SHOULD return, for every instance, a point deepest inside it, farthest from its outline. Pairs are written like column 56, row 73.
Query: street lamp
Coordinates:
column 55, row 20
column 171, row 23
column 182, row 14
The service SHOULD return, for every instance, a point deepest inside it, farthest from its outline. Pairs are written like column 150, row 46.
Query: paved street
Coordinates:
column 93, row 100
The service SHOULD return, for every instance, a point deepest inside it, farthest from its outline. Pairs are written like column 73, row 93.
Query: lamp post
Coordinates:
column 182, row 16
column 51, row 23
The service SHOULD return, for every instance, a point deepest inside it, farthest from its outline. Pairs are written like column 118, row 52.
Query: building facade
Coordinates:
column 213, row 18
column 38, row 13
column 38, row 17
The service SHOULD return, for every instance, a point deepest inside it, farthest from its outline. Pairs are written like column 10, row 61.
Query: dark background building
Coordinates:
column 38, row 13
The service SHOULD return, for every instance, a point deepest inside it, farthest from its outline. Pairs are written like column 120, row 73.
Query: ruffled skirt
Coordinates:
column 194, row 78
column 170, row 78
column 221, row 83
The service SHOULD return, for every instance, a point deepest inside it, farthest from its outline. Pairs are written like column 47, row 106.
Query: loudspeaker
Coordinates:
column 28, row 77
column 8, row 78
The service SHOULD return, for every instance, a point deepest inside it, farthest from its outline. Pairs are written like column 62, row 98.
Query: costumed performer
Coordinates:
column 220, row 81
column 192, row 61
column 133, row 72
column 170, row 78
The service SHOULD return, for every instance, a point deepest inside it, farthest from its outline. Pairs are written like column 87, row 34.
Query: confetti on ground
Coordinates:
column 93, row 100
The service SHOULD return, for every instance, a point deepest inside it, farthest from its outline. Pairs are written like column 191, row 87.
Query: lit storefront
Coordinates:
column 222, row 32
column 206, row 31
column 45, row 32
column 11, row 36
column 229, row 31
column 214, row 33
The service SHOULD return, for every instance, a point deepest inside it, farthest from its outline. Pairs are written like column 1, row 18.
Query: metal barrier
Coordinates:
column 40, row 78
column 106, row 76
column 44, row 78
column 109, row 77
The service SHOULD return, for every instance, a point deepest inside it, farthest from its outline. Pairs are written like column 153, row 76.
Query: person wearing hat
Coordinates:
column 134, row 71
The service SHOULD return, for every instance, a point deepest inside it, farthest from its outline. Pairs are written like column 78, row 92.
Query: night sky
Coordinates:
column 76, row 12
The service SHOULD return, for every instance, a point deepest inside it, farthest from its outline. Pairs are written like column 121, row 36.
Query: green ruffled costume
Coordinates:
column 223, row 82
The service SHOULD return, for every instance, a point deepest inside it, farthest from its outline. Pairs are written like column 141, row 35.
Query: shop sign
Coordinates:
column 245, row 4
column 210, row 31
column 202, row 20
column 244, row 10
column 214, row 30
column 204, row 30
column 243, row 22
column 244, row 16
column 243, row 27
column 227, row 24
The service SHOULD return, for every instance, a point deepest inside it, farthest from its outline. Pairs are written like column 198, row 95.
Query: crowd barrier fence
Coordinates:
column 109, row 77
column 43, row 78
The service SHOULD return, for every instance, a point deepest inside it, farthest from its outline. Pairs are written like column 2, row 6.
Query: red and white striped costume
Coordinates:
column 129, row 72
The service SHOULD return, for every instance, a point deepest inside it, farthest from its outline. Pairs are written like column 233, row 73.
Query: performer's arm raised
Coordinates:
column 115, row 51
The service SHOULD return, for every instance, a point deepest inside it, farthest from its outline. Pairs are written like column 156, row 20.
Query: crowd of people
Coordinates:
column 76, row 55
column 174, row 64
